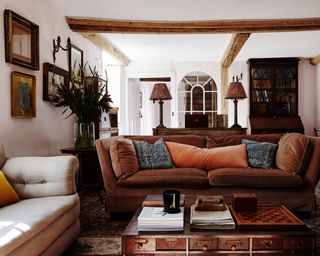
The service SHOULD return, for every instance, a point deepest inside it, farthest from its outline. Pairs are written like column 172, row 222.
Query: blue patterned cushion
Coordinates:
column 153, row 156
column 261, row 154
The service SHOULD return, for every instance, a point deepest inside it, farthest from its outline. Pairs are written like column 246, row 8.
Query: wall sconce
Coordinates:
column 160, row 92
column 235, row 91
column 57, row 46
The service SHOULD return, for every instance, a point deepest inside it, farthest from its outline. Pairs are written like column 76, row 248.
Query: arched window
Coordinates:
column 197, row 100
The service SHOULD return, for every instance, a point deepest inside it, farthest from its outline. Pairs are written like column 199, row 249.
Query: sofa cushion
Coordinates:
column 294, row 153
column 123, row 158
column 175, row 177
column 2, row 155
column 203, row 158
column 194, row 140
column 7, row 193
column 250, row 177
column 153, row 156
column 222, row 141
column 27, row 218
column 261, row 154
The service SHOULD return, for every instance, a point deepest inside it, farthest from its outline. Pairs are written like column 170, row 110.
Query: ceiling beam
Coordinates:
column 93, row 25
column 315, row 60
column 103, row 43
column 234, row 47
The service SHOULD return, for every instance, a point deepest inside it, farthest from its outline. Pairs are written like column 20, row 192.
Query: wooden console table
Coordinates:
column 199, row 131
column 217, row 242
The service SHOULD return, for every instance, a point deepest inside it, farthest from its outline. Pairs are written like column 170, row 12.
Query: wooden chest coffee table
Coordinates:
column 216, row 242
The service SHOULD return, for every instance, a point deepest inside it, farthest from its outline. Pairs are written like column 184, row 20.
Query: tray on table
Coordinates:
column 267, row 217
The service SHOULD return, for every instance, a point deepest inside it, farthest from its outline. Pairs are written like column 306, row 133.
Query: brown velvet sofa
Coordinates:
column 272, row 186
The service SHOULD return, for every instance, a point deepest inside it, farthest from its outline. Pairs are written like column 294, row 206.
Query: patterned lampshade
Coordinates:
column 235, row 91
column 160, row 92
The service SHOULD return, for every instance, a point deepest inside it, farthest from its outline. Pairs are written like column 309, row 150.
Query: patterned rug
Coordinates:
column 101, row 236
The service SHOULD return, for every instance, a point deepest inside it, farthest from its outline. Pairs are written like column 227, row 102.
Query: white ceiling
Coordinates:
column 201, row 47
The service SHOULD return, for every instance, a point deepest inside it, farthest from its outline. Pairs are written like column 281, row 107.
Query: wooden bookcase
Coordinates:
column 274, row 95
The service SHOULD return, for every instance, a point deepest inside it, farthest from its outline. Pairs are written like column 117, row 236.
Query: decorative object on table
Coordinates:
column 235, row 91
column 244, row 202
column 53, row 75
column 21, row 40
column 23, row 95
column 160, row 92
column 75, row 62
column 171, row 201
column 317, row 131
column 210, row 203
column 87, row 99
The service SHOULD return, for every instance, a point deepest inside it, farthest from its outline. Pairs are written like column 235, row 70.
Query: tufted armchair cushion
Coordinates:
column 42, row 176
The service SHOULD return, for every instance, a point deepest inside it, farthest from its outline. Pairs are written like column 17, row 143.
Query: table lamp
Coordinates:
column 160, row 92
column 235, row 91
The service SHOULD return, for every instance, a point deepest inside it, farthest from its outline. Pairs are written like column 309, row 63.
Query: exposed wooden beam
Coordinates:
column 224, row 87
column 103, row 43
column 315, row 60
column 234, row 47
column 93, row 25
column 155, row 79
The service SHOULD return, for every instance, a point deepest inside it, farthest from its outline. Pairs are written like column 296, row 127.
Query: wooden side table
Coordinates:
column 89, row 167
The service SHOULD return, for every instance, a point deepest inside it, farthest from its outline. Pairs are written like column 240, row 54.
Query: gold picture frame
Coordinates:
column 75, row 62
column 23, row 95
column 21, row 40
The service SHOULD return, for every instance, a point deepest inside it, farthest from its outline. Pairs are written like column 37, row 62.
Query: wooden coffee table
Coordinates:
column 217, row 242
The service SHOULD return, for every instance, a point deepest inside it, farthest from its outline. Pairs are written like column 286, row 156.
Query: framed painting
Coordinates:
column 75, row 61
column 21, row 40
column 23, row 95
column 52, row 76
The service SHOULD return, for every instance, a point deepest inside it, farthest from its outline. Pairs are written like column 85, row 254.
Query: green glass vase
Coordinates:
column 84, row 135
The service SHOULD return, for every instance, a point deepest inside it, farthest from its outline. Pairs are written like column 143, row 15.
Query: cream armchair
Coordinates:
column 46, row 219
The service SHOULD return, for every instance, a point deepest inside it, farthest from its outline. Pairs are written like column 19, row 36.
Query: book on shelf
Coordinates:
column 157, row 201
column 212, row 219
column 155, row 219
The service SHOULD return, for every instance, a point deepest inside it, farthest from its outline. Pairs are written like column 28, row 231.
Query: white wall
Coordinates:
column 49, row 131
column 317, row 97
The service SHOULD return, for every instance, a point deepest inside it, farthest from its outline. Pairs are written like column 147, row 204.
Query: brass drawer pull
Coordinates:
column 204, row 244
column 140, row 242
column 267, row 243
column 171, row 241
column 233, row 244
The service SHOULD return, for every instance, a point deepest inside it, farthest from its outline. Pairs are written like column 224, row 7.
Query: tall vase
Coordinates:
column 84, row 135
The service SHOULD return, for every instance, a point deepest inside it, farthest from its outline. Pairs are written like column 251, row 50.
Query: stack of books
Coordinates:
column 155, row 219
column 211, row 213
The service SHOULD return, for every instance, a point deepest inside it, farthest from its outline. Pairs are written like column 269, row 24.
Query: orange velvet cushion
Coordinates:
column 294, row 153
column 123, row 158
column 203, row 158
column 7, row 194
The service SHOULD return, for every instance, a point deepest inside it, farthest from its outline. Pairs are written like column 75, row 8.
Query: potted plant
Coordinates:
column 87, row 99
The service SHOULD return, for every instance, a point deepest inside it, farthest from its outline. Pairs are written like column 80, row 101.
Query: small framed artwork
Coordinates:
column 52, row 76
column 21, row 40
column 75, row 61
column 23, row 95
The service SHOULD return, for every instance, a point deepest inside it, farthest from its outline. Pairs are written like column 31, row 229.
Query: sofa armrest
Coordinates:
column 42, row 176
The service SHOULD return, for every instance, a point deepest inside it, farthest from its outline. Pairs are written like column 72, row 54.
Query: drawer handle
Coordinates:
column 297, row 243
column 204, row 244
column 233, row 244
column 140, row 242
column 267, row 243
column 171, row 242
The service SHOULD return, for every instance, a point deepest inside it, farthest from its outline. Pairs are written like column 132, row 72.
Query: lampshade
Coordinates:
column 235, row 91
column 160, row 92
